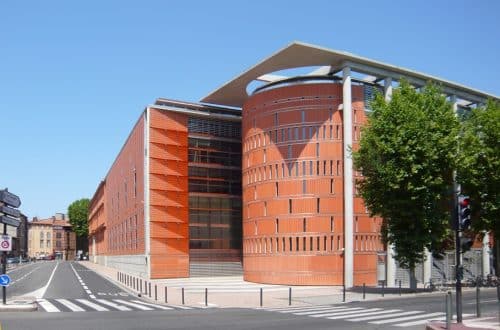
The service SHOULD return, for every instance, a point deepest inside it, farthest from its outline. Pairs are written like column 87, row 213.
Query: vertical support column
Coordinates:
column 486, row 254
column 388, row 89
column 427, row 266
column 390, row 261
column 391, row 266
column 348, row 178
column 147, row 234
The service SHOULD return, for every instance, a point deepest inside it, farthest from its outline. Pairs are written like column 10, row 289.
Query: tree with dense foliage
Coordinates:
column 78, row 216
column 478, row 170
column 407, row 155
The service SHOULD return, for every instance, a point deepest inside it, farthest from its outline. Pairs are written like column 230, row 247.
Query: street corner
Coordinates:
column 20, row 304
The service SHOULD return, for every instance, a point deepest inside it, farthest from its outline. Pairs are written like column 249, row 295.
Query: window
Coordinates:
column 289, row 152
column 331, row 186
column 331, row 224
column 303, row 116
column 317, row 149
column 304, row 225
column 317, row 205
column 277, row 188
column 289, row 206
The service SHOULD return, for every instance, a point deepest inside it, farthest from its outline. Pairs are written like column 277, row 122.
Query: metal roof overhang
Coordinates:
column 299, row 54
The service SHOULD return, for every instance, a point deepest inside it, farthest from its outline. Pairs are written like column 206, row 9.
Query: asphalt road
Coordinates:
column 74, row 297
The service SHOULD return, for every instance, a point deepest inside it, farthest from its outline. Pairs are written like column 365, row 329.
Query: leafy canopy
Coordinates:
column 407, row 156
column 479, row 166
column 78, row 216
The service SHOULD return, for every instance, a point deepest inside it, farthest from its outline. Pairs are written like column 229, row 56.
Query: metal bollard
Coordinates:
column 261, row 298
column 182, row 296
column 448, row 310
column 290, row 296
column 383, row 288
column 478, row 302
column 149, row 289
column 156, row 292
column 343, row 293
column 364, row 291
column 400, row 287
column 166, row 295
column 140, row 286
column 206, row 296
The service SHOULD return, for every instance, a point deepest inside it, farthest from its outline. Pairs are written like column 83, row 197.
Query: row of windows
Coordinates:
column 270, row 245
column 215, row 187
column 214, row 127
column 124, row 235
column 203, row 202
column 297, row 133
column 212, row 144
column 125, row 195
column 210, row 217
column 293, row 169
column 215, row 157
column 215, row 244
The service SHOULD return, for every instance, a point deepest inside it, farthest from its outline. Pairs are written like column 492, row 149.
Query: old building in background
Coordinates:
column 51, row 238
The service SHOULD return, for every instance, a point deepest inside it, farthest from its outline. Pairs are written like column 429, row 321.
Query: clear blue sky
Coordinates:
column 75, row 75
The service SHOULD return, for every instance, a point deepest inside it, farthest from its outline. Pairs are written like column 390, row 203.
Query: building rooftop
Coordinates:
column 298, row 54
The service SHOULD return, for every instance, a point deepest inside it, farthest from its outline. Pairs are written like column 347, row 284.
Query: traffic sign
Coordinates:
column 5, row 243
column 9, row 198
column 10, row 211
column 4, row 280
column 9, row 221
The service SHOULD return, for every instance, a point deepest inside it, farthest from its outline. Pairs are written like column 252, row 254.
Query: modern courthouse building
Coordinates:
column 256, row 180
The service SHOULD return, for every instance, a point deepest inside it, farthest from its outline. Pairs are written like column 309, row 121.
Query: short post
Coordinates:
column 478, row 303
column 145, row 287
column 149, row 289
column 343, row 293
column 206, row 296
column 140, row 286
column 290, row 296
column 448, row 310
column 166, row 295
column 400, row 287
column 383, row 288
column 261, row 298
column 118, row 276
column 364, row 291
column 182, row 292
column 156, row 292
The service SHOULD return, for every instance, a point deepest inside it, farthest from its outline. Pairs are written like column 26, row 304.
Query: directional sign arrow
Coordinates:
column 9, row 198
column 4, row 280
column 10, row 211
column 9, row 221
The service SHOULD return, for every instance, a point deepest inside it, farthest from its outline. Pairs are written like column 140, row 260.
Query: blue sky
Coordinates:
column 75, row 75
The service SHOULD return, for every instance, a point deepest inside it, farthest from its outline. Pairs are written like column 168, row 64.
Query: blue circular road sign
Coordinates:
column 4, row 280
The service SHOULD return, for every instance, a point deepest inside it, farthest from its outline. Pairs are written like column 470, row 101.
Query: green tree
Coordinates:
column 407, row 156
column 78, row 216
column 478, row 170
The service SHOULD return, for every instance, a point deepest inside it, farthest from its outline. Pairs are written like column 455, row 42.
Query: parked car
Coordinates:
column 13, row 260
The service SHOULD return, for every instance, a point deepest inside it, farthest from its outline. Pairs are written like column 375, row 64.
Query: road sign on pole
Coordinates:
column 6, row 210
column 4, row 280
column 9, row 198
column 5, row 243
column 9, row 221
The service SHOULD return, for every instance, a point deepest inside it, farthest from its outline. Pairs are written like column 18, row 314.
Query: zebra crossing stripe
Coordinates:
column 92, row 305
column 345, row 312
column 348, row 314
column 153, row 305
column 70, row 305
column 144, row 308
column 112, row 304
column 297, row 308
column 378, row 317
column 365, row 313
column 48, row 306
column 320, row 310
column 431, row 315
column 409, row 324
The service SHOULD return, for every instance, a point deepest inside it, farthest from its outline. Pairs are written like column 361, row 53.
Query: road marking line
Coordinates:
column 70, row 305
column 482, row 301
column 347, row 311
column 112, row 304
column 309, row 309
column 375, row 313
column 144, row 308
column 383, row 316
column 431, row 315
column 47, row 306
column 153, row 305
column 92, row 296
column 348, row 314
column 278, row 309
column 85, row 287
column 92, row 305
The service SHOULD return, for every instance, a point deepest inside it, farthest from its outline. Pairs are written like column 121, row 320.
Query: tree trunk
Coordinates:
column 413, row 278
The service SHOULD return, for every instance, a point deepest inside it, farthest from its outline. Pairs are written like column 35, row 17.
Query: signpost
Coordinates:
column 8, row 216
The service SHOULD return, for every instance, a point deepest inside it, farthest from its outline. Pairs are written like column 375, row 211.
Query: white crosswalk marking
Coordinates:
column 377, row 312
column 153, row 305
column 428, row 316
column 378, row 317
column 48, row 306
column 420, row 322
column 349, row 314
column 301, row 309
column 112, row 304
column 70, row 305
column 323, row 310
column 92, row 305
column 346, row 311
column 128, row 303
